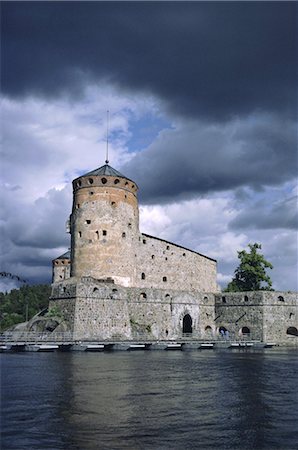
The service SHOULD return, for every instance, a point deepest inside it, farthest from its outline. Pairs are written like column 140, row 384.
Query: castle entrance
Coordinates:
column 187, row 324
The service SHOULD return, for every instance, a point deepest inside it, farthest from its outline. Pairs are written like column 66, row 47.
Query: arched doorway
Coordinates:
column 187, row 324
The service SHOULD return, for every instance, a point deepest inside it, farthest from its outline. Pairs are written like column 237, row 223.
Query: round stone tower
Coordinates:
column 104, row 226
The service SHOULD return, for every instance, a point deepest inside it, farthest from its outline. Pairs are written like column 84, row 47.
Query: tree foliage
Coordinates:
column 15, row 305
column 251, row 273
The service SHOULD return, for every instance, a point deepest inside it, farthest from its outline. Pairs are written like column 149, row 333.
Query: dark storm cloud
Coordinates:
column 259, row 216
column 203, row 59
column 197, row 159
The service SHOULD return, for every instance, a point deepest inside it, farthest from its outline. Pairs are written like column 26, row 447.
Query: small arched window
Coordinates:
column 143, row 276
column 280, row 298
column 164, row 279
column 95, row 289
column 123, row 234
column 90, row 180
column 245, row 330
column 224, row 300
column 116, row 181
column 104, row 180
column 292, row 331
column 143, row 295
column 245, row 298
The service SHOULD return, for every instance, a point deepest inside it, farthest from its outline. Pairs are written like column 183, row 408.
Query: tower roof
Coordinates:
column 65, row 255
column 105, row 170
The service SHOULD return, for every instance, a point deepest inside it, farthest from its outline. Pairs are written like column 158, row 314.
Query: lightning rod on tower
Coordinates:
column 107, row 149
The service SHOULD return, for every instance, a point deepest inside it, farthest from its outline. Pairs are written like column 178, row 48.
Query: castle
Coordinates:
column 117, row 283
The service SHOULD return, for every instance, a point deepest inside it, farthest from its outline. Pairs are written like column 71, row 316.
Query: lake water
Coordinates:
column 240, row 400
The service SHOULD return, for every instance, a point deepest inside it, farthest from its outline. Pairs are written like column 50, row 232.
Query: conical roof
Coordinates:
column 65, row 255
column 105, row 170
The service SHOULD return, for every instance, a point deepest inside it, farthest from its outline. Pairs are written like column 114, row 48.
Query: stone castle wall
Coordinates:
column 163, row 265
column 267, row 314
column 107, row 311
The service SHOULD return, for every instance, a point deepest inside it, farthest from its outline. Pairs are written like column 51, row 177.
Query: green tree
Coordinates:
column 18, row 304
column 251, row 273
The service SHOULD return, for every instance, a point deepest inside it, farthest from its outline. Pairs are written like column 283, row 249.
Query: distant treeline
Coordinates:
column 19, row 304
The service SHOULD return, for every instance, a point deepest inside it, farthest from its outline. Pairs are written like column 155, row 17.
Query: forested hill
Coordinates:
column 13, row 305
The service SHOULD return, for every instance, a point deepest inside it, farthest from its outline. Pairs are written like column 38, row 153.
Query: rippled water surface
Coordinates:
column 150, row 400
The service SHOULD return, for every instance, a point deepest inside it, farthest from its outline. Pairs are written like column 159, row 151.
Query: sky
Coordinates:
column 202, row 100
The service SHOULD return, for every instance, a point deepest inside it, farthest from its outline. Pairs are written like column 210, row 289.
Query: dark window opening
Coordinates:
column 224, row 300
column 116, row 181
column 88, row 222
column 187, row 324
column 205, row 298
column 208, row 330
column 143, row 295
column 104, row 180
column 80, row 234
column 129, row 225
column 97, row 234
column 79, row 183
column 245, row 330
column 132, row 185
column 126, row 183
column 104, row 232
column 183, row 254
column 152, row 256
column 245, row 298
column 90, row 181
column 114, row 290
column 78, row 205
column 292, row 331
column 280, row 298
column 164, row 279
column 168, row 247
column 113, row 204
column 91, row 192
column 143, row 276
column 95, row 289
column 291, row 315
column 123, row 234
column 144, row 241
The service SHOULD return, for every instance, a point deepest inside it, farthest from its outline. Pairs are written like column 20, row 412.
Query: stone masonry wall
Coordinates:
column 234, row 311
column 280, row 313
column 104, row 230
column 267, row 314
column 108, row 311
column 163, row 265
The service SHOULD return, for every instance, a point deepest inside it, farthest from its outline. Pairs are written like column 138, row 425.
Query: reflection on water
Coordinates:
column 150, row 400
